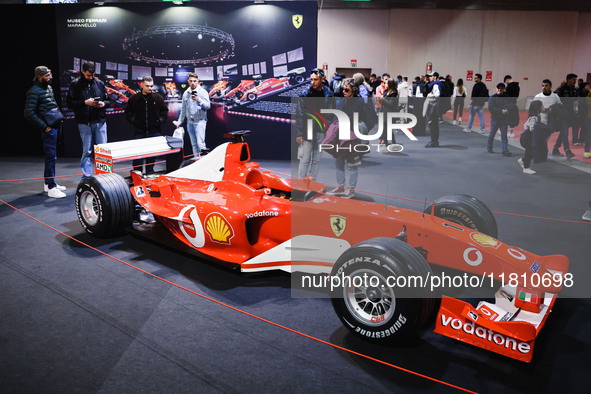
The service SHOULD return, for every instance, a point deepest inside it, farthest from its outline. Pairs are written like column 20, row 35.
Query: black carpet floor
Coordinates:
column 123, row 315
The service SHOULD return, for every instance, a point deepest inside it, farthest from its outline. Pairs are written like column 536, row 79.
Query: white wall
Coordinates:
column 531, row 46
column 582, row 64
column 353, row 34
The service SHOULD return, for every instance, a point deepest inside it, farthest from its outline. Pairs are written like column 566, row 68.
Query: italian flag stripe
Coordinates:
column 525, row 296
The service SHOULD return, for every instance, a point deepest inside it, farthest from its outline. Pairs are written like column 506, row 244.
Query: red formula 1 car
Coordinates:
column 266, row 87
column 383, row 257
column 220, row 88
column 171, row 90
column 244, row 85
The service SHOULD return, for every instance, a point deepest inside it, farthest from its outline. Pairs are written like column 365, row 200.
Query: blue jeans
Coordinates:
column 50, row 150
column 138, row 164
column 473, row 110
column 353, row 173
column 196, row 133
column 91, row 134
column 310, row 157
column 493, row 131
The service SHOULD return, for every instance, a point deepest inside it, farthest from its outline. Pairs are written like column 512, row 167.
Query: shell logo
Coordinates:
column 485, row 240
column 218, row 228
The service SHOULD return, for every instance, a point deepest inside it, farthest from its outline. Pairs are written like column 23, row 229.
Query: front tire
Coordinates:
column 369, row 305
column 104, row 204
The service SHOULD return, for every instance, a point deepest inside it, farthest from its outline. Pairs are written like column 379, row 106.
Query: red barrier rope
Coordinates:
column 242, row 311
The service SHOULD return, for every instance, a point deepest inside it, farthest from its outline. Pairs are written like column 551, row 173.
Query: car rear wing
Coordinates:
column 106, row 155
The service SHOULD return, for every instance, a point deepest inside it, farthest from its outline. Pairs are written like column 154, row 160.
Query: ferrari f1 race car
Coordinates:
column 383, row 257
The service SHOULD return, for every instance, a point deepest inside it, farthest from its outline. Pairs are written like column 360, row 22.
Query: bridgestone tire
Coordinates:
column 251, row 96
column 466, row 211
column 104, row 204
column 380, row 313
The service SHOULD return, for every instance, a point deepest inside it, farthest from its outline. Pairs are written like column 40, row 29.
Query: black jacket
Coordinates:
column 147, row 113
column 80, row 91
column 479, row 92
column 513, row 91
column 40, row 99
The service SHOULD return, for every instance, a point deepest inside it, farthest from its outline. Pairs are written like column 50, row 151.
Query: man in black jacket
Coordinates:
column 569, row 96
column 513, row 92
column 39, row 104
column 478, row 99
column 88, row 98
column 147, row 112
column 497, row 105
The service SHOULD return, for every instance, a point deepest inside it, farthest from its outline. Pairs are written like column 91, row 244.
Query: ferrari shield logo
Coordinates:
column 338, row 224
column 297, row 20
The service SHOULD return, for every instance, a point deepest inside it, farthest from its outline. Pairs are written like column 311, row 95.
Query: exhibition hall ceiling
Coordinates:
column 528, row 5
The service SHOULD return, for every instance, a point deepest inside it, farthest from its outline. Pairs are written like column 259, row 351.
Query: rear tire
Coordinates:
column 104, row 204
column 467, row 211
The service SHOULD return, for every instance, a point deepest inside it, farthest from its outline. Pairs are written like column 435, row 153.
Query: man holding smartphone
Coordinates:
column 195, row 103
column 88, row 98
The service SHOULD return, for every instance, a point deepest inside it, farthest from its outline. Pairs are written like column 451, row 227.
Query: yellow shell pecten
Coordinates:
column 218, row 228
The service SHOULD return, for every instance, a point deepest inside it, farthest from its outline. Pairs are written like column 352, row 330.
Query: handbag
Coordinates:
column 53, row 117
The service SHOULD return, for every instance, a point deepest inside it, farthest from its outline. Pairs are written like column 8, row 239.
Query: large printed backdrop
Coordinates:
column 251, row 58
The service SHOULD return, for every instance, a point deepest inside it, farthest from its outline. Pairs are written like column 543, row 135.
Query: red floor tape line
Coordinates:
column 240, row 310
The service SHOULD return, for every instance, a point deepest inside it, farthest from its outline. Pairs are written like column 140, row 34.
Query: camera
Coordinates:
column 194, row 93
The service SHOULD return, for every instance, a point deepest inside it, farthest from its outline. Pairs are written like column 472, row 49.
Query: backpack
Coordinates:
column 337, row 87
column 446, row 91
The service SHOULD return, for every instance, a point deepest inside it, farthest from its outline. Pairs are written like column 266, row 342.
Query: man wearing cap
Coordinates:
column 308, row 150
column 497, row 105
column 42, row 111
column 88, row 98
column 435, row 88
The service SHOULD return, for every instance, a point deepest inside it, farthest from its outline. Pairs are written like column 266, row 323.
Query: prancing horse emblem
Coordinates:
column 297, row 20
column 338, row 224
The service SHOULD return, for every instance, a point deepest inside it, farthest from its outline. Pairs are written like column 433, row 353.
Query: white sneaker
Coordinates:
column 520, row 161
column 59, row 187
column 337, row 191
column 350, row 193
column 482, row 131
column 511, row 134
column 587, row 215
column 459, row 121
column 455, row 122
column 528, row 171
column 56, row 193
column 467, row 130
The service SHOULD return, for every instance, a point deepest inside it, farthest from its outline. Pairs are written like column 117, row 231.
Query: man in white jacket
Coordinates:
column 195, row 103
column 404, row 90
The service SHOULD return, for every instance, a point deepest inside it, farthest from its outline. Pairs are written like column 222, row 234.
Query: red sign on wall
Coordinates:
column 470, row 75
column 488, row 77
column 353, row 62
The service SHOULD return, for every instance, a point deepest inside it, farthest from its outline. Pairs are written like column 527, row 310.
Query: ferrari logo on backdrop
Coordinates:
column 338, row 224
column 218, row 228
column 297, row 20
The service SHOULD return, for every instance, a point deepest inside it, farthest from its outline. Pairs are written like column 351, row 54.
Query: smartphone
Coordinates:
column 97, row 99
